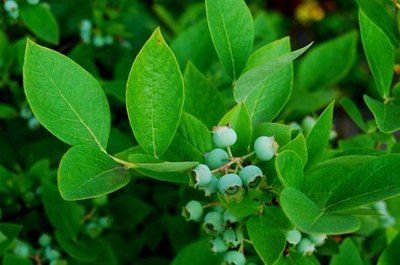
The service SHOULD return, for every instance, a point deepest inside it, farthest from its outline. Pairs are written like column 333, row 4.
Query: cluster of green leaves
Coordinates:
column 222, row 66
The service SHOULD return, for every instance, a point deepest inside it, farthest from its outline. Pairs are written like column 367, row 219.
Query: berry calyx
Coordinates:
column 218, row 245
column 318, row 239
column 229, row 218
column 193, row 211
column 212, row 187
column 265, row 148
column 233, row 236
column 234, row 258
column 306, row 246
column 217, row 158
column 251, row 176
column 213, row 222
column 224, row 136
column 202, row 175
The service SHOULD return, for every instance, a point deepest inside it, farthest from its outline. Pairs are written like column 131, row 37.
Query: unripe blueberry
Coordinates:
column 233, row 236
column 212, row 187
column 306, row 246
column 25, row 112
column 193, row 211
column 45, row 240
column 33, row 2
column 213, row 222
column 318, row 239
column 218, row 245
column 293, row 236
column 22, row 249
column 251, row 176
column 202, row 175
column 93, row 229
column 51, row 254
column 381, row 207
column 216, row 158
column 308, row 123
column 10, row 6
column 265, row 148
column 229, row 184
column 98, row 41
column 387, row 221
column 105, row 221
column 33, row 124
column 86, row 25
column 224, row 136
column 229, row 218
column 234, row 258
column 295, row 126
column 108, row 40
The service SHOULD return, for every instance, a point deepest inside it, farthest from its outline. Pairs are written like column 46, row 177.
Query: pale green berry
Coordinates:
column 93, row 229
column 387, row 221
column 108, row 40
column 308, row 123
column 234, row 258
column 45, row 240
column 233, row 236
column 333, row 135
column 295, row 126
column 216, row 158
column 218, row 245
column 22, row 249
column 229, row 218
column 381, row 207
column 33, row 124
column 105, row 221
column 51, row 254
column 212, row 187
column 318, row 239
column 293, row 236
column 224, row 136
column 98, row 41
column 265, row 148
column 86, row 25
column 10, row 5
column 213, row 222
column 202, row 175
column 251, row 176
column 193, row 211
column 306, row 246
column 229, row 184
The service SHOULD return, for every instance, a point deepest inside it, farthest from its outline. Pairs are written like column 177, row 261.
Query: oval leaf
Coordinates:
column 154, row 96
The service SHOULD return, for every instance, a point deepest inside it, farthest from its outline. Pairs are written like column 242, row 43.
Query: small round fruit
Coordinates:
column 202, row 175
column 234, row 258
column 229, row 184
column 218, row 245
column 229, row 218
column 318, row 239
column 224, row 136
column 86, row 25
column 10, row 5
column 45, row 240
column 293, row 236
column 233, row 236
column 306, row 246
column 193, row 211
column 308, row 123
column 22, row 249
column 216, row 158
column 213, row 222
column 251, row 176
column 33, row 2
column 51, row 254
column 212, row 187
column 265, row 148
column 98, row 41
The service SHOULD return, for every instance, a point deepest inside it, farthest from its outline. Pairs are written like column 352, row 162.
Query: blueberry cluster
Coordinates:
column 305, row 245
column 12, row 8
column 90, row 35
column 226, row 174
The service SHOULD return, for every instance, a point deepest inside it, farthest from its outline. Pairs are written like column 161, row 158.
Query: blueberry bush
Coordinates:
column 199, row 132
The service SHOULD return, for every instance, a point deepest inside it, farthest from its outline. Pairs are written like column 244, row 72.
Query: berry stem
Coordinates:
column 248, row 155
column 248, row 241
column 229, row 151
column 211, row 204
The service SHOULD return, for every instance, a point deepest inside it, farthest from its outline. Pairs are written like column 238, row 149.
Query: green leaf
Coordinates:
column 296, row 258
column 289, row 167
column 380, row 54
column 86, row 172
column 232, row 32
column 40, row 20
column 165, row 171
column 81, row 249
column 198, row 253
column 244, row 208
column 65, row 98
column 298, row 145
column 202, row 98
column 391, row 254
column 11, row 259
column 327, row 63
column 318, row 138
column 381, row 13
column 266, row 101
column 195, row 44
column 310, row 218
column 376, row 180
column 348, row 254
column 147, row 162
column 3, row 237
column 386, row 114
column 257, row 76
column 281, row 132
column 238, row 117
column 155, row 95
column 66, row 217
column 7, row 112
column 192, row 140
column 268, row 238
column 10, row 231
column 355, row 114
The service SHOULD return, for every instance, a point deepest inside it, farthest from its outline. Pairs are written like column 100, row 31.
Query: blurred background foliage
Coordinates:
column 141, row 224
